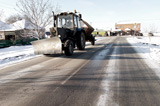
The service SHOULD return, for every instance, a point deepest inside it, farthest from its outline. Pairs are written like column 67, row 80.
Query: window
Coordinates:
column 121, row 26
column 1, row 36
column 75, row 22
column 65, row 21
column 134, row 26
column 79, row 23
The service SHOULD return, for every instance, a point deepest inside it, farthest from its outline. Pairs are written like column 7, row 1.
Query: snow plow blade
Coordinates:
column 47, row 46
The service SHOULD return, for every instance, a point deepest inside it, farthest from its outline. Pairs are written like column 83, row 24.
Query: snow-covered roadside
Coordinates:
column 15, row 54
column 154, row 40
column 149, row 46
column 149, row 52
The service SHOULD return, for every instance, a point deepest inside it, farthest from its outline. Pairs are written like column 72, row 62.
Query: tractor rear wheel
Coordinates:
column 81, row 42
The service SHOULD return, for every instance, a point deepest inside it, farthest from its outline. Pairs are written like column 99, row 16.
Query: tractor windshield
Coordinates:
column 65, row 21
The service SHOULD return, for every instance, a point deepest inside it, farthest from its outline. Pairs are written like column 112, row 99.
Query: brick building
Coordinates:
column 129, row 28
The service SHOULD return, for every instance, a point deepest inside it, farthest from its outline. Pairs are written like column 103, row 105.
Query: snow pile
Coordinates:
column 148, row 40
column 148, row 45
column 155, row 34
column 15, row 54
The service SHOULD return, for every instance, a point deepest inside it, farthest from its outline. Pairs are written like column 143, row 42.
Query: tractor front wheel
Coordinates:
column 69, row 48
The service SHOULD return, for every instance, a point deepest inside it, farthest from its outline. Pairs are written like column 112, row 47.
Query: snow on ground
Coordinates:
column 14, row 54
column 149, row 46
column 98, row 38
column 148, row 50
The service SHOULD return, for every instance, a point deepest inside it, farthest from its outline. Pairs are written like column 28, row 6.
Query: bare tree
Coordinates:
column 145, row 30
column 151, row 28
column 13, row 18
column 38, row 12
column 3, row 25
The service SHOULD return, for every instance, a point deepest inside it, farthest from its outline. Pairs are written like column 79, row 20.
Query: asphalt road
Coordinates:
column 111, row 73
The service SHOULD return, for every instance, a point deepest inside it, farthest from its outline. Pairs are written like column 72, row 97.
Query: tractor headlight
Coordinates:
column 59, row 36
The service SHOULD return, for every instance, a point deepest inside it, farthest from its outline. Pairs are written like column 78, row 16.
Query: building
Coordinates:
column 116, row 32
column 20, row 32
column 129, row 28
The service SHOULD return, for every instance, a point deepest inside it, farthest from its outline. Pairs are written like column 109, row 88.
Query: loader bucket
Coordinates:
column 47, row 46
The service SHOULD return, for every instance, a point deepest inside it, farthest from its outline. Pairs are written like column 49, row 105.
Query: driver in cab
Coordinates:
column 68, row 24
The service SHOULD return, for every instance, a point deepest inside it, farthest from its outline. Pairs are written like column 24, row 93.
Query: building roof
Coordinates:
column 129, row 22
column 22, row 24
column 18, row 25
column 4, row 26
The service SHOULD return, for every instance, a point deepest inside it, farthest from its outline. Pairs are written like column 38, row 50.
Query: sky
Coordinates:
column 103, row 14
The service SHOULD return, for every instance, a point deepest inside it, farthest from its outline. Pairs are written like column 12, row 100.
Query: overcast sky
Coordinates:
column 103, row 13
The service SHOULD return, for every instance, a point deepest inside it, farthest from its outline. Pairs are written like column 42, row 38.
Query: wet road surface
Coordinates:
column 111, row 73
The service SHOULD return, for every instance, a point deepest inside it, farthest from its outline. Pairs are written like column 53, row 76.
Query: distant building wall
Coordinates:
column 135, row 27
